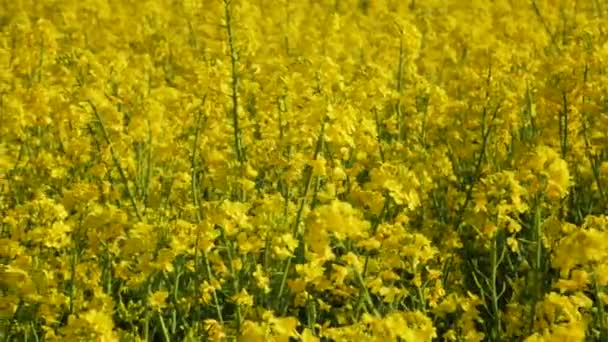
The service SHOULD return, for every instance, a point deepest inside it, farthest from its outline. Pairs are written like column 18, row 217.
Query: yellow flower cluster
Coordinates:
column 240, row 170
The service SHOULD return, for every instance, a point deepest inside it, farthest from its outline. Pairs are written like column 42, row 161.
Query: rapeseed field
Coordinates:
column 305, row 170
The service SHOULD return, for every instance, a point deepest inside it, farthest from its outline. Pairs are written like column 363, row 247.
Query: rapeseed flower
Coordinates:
column 157, row 300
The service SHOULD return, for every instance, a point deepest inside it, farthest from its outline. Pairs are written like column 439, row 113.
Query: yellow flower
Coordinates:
column 547, row 172
column 283, row 328
column 318, row 166
column 262, row 281
column 513, row 244
column 254, row 332
column 577, row 282
column 307, row 336
column 604, row 170
column 312, row 271
column 354, row 261
column 248, row 185
column 164, row 260
column 157, row 300
column 602, row 274
column 90, row 325
column 284, row 245
column 12, row 276
column 559, row 179
column 339, row 174
column 215, row 331
column 448, row 305
column 242, row 298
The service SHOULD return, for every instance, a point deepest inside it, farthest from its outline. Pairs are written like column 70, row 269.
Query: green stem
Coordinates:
column 494, row 290
column 199, row 213
column 147, row 328
column 164, row 328
column 486, row 130
column 235, row 276
column 234, row 62
column 307, row 185
column 121, row 171
column 537, row 286
column 563, row 125
column 366, row 294
column 400, row 90
column 600, row 310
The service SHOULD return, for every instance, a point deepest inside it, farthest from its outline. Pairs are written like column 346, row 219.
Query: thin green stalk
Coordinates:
column 593, row 160
column 308, row 182
column 311, row 312
column 367, row 254
column 34, row 333
column 72, row 293
column 496, row 261
column 283, row 281
column 215, row 298
column 178, row 274
column 163, row 328
column 197, row 204
column 116, row 161
column 234, row 62
column 563, row 125
column 296, row 224
column 537, row 273
column 147, row 327
column 40, row 61
column 544, row 23
column 600, row 309
column 485, row 135
column 366, row 294
column 379, row 133
column 235, row 282
column 148, row 169
column 400, row 71
column 286, row 28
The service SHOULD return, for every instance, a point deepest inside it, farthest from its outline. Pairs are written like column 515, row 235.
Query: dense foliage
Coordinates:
column 275, row 170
